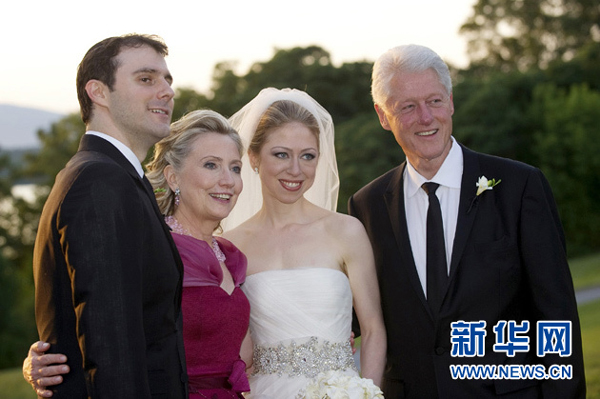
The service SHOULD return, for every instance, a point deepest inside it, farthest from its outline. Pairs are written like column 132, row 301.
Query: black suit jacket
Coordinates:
column 508, row 263
column 108, row 281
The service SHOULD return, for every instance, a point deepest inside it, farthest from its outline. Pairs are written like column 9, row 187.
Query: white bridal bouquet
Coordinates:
column 335, row 385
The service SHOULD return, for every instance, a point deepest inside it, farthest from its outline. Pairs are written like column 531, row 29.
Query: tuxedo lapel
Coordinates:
column 94, row 143
column 149, row 190
column 394, row 199
column 89, row 142
column 467, row 208
column 97, row 144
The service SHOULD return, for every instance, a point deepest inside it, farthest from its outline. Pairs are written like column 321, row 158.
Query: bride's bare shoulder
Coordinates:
column 343, row 228
column 241, row 233
column 344, row 222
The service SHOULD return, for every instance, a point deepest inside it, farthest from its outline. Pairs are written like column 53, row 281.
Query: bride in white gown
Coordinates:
column 307, row 265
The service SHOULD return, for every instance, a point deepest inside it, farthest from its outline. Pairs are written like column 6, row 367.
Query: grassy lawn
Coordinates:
column 589, row 315
column 14, row 386
column 586, row 273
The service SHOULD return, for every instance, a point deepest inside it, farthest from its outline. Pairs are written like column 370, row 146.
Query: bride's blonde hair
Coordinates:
column 278, row 114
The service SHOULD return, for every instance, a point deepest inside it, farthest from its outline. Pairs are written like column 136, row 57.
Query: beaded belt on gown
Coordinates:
column 307, row 359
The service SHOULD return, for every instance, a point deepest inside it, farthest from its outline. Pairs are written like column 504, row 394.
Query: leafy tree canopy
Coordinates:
column 520, row 34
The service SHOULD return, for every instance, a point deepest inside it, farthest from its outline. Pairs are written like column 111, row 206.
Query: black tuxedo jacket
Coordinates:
column 108, row 281
column 508, row 263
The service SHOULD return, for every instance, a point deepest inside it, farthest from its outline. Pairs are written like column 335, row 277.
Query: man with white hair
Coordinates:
column 470, row 254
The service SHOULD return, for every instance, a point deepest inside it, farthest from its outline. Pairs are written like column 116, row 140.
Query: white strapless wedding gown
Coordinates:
column 300, row 322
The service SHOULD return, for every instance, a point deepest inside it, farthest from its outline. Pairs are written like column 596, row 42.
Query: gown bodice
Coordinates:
column 300, row 322
column 297, row 303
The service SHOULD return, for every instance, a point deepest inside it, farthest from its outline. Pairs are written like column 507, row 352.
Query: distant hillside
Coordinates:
column 18, row 126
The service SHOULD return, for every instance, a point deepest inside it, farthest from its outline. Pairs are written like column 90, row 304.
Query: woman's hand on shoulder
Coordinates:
column 42, row 370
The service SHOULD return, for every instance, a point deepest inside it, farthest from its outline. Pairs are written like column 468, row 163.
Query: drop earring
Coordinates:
column 177, row 192
column 256, row 170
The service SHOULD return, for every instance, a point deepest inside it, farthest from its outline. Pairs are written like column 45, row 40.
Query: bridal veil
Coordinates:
column 324, row 191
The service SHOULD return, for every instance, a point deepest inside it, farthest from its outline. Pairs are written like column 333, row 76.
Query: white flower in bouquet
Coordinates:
column 335, row 385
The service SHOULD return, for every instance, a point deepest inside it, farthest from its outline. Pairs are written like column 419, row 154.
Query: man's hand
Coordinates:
column 37, row 369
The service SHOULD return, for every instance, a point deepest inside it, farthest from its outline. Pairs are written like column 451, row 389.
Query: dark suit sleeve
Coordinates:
column 543, row 252
column 351, row 208
column 99, row 224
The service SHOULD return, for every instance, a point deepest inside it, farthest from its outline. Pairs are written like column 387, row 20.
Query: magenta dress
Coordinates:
column 214, row 322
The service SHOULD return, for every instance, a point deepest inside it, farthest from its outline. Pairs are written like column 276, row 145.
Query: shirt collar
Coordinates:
column 126, row 151
column 449, row 174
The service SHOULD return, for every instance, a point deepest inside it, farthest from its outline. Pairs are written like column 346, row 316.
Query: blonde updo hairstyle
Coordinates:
column 278, row 114
column 175, row 148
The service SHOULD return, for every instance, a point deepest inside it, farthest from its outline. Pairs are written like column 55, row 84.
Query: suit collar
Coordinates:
column 448, row 175
column 94, row 143
column 123, row 149
column 90, row 142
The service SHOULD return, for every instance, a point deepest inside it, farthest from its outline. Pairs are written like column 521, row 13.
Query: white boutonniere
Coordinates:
column 484, row 184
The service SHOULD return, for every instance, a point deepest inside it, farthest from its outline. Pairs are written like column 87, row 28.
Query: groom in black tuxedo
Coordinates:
column 107, row 273
column 470, row 264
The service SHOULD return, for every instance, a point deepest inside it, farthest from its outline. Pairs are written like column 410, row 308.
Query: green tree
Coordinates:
column 57, row 146
column 6, row 183
column 520, row 34
column 229, row 91
column 307, row 69
column 343, row 91
column 567, row 145
column 491, row 114
column 583, row 68
column 18, row 217
column 17, row 326
column 187, row 100
column 299, row 67
column 364, row 150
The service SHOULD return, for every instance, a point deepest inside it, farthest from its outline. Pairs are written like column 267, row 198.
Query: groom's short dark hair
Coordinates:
column 100, row 63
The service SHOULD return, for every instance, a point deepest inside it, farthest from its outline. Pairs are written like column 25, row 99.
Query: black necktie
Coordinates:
column 437, row 273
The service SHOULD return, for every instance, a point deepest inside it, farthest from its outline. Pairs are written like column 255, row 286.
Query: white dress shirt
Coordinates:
column 126, row 151
column 416, row 203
